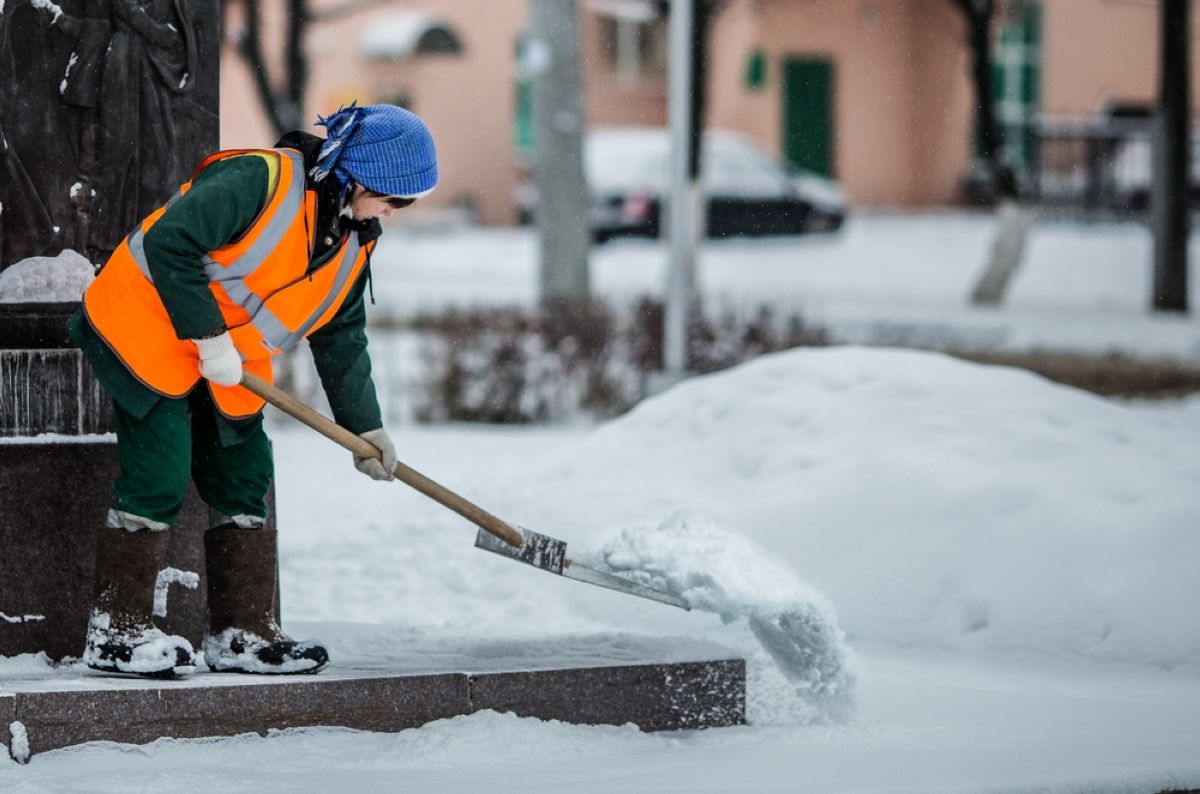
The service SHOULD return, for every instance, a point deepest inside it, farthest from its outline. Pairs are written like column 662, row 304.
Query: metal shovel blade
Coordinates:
column 550, row 554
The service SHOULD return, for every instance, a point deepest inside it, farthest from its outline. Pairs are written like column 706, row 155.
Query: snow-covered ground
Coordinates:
column 884, row 279
column 1013, row 564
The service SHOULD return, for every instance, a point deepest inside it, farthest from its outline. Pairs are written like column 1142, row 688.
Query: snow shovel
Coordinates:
column 532, row 548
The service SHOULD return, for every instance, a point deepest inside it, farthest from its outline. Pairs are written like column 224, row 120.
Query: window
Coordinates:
column 634, row 47
column 732, row 175
column 439, row 41
column 1016, row 75
column 756, row 71
column 409, row 34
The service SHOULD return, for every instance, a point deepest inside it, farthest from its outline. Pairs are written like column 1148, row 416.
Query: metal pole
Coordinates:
column 1171, row 161
column 562, row 209
column 684, row 199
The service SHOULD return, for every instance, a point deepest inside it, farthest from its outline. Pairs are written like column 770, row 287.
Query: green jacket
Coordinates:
column 224, row 200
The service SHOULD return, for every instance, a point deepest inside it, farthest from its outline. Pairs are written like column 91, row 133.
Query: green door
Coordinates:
column 808, row 114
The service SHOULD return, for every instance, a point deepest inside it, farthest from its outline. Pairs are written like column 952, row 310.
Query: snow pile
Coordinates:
column 47, row 279
column 24, row 664
column 20, row 742
column 718, row 571
column 938, row 504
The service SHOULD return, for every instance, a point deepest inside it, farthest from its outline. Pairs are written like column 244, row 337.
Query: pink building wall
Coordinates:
column 467, row 100
column 1105, row 50
column 610, row 99
column 902, row 97
column 901, row 91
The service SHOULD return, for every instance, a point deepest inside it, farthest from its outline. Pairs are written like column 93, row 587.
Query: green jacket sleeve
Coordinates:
column 339, row 350
column 224, row 200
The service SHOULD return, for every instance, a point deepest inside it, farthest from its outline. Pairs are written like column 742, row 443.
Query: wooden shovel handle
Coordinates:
column 365, row 449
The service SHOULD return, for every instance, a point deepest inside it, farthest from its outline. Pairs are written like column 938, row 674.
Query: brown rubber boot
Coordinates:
column 244, row 636
column 122, row 637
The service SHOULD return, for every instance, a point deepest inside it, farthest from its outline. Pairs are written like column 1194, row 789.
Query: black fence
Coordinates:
column 1095, row 169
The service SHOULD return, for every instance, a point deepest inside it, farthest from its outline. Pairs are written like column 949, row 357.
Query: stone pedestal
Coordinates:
column 46, row 385
column 57, row 464
column 105, row 109
column 53, row 497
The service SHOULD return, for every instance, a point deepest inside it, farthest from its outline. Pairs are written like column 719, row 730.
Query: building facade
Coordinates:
column 874, row 93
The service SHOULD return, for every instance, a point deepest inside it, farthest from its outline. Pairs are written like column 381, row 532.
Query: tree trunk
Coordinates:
column 296, row 78
column 1013, row 221
column 978, row 15
column 284, row 108
column 1171, row 162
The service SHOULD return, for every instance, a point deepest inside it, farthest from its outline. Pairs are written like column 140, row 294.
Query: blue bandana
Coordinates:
column 384, row 148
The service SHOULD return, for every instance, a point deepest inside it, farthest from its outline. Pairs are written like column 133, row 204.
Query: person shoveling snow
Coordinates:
column 257, row 252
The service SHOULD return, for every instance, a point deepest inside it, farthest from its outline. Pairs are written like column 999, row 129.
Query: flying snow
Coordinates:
column 721, row 572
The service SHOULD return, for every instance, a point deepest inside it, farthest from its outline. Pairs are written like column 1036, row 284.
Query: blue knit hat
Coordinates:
column 384, row 148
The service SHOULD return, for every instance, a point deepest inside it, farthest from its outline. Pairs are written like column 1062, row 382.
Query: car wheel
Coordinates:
column 822, row 223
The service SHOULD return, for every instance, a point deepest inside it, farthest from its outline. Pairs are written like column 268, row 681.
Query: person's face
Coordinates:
column 366, row 204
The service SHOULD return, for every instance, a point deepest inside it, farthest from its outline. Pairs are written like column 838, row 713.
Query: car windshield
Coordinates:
column 624, row 160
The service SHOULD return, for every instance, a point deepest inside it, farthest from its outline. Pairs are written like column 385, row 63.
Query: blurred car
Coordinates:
column 748, row 192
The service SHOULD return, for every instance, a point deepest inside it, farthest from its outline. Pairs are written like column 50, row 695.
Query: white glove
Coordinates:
column 220, row 361
column 373, row 467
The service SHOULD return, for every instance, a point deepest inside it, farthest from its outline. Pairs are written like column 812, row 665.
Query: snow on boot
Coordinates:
column 240, row 651
column 121, row 635
column 244, row 636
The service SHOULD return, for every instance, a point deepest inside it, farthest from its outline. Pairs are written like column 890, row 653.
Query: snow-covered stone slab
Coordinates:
column 60, row 707
column 656, row 697
column 138, row 715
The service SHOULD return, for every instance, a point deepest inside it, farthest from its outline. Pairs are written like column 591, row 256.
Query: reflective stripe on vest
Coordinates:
column 232, row 278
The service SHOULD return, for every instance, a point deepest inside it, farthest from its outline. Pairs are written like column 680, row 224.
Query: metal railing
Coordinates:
column 1096, row 168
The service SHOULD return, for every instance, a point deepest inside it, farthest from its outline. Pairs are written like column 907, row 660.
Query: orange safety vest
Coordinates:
column 260, row 281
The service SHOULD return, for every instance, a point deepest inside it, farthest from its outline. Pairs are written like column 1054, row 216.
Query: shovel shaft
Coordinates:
column 365, row 449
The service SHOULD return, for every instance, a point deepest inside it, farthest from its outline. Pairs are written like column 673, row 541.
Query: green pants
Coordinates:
column 180, row 440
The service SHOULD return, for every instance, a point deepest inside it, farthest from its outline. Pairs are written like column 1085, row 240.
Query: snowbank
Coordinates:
column 938, row 504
